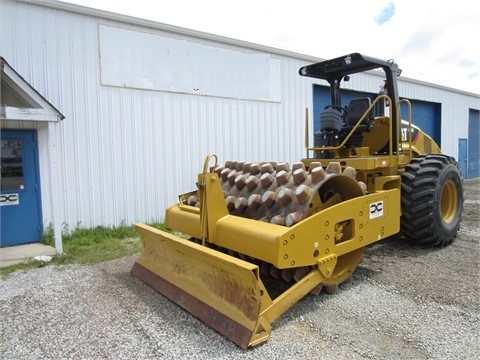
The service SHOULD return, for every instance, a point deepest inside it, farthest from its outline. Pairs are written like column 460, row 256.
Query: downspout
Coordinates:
column 56, row 206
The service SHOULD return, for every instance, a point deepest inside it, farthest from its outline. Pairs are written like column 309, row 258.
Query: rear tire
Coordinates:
column 432, row 200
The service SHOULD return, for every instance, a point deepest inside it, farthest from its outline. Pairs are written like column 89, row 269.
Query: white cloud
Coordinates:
column 431, row 40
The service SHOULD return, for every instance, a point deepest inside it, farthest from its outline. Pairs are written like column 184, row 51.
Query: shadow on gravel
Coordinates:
column 393, row 250
column 161, row 320
column 399, row 246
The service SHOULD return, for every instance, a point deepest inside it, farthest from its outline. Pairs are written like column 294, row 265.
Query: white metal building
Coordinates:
column 145, row 102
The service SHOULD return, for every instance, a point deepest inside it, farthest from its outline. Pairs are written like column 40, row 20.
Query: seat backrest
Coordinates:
column 356, row 108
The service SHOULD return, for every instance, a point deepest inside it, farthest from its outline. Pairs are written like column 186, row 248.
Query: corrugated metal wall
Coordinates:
column 125, row 154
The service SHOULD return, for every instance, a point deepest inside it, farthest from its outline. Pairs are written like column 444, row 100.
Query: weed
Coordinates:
column 88, row 246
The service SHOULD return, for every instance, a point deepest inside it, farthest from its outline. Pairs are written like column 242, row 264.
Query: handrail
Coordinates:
column 207, row 162
column 409, row 135
column 307, row 135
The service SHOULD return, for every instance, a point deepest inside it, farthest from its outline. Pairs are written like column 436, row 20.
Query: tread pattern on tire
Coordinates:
column 421, row 219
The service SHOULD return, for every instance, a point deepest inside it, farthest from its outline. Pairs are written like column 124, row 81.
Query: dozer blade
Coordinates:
column 221, row 290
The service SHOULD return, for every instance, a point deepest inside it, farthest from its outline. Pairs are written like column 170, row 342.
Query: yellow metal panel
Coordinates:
column 178, row 218
column 203, row 280
column 250, row 237
column 315, row 237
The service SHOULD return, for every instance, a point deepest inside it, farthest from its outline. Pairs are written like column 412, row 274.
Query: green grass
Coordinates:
column 88, row 246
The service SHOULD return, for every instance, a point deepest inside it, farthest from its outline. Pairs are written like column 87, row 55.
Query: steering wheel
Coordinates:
column 337, row 107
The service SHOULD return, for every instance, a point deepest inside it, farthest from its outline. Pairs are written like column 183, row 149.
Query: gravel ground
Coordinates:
column 404, row 302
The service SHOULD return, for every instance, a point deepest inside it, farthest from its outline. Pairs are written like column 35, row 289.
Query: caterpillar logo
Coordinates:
column 405, row 136
column 376, row 209
column 8, row 199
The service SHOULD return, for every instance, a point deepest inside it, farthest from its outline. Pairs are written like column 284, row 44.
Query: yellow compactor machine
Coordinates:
column 257, row 237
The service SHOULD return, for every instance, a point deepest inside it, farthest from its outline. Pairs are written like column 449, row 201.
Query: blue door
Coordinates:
column 462, row 157
column 473, row 144
column 427, row 116
column 19, row 196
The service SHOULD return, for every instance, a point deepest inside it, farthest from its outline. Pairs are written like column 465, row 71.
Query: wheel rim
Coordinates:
column 448, row 202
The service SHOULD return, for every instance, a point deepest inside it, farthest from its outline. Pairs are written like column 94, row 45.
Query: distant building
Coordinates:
column 144, row 103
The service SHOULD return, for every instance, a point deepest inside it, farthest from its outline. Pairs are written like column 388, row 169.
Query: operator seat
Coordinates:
column 355, row 110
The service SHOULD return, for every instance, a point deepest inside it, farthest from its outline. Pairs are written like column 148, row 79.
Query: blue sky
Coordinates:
column 430, row 40
column 386, row 14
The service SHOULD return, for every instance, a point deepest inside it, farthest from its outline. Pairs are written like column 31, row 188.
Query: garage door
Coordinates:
column 473, row 162
column 427, row 116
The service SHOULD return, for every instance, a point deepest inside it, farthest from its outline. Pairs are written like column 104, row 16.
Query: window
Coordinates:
column 12, row 165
